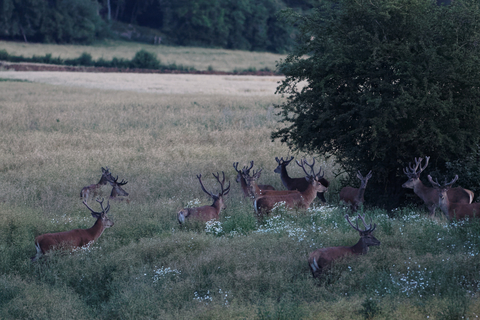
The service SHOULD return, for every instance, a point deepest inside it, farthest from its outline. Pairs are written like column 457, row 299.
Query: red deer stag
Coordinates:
column 243, row 184
column 354, row 196
column 254, row 189
column 74, row 238
column 206, row 213
column 295, row 200
column 117, row 190
column 452, row 210
column 430, row 195
column 321, row 259
column 93, row 190
column 299, row 184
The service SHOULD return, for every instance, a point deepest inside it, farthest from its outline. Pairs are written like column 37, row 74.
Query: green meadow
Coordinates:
column 54, row 140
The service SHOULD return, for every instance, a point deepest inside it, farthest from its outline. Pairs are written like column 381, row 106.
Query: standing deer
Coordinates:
column 93, row 190
column 454, row 210
column 117, row 190
column 354, row 196
column 294, row 200
column 74, row 238
column 321, row 259
column 299, row 184
column 243, row 184
column 430, row 195
column 206, row 213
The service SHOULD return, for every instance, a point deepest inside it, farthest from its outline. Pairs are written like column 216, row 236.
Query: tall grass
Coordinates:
column 54, row 141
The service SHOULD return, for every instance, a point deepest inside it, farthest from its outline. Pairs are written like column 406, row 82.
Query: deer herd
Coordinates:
column 455, row 203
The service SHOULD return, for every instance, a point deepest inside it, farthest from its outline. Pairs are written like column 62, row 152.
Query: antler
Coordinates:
column 225, row 191
column 412, row 170
column 119, row 183
column 281, row 161
column 304, row 162
column 104, row 210
column 446, row 185
column 367, row 228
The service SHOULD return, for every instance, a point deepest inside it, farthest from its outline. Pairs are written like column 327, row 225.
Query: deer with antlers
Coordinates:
column 355, row 196
column 240, row 179
column 117, row 190
column 299, row 184
column 451, row 209
column 293, row 200
column 321, row 259
column 430, row 195
column 74, row 238
column 206, row 213
column 93, row 190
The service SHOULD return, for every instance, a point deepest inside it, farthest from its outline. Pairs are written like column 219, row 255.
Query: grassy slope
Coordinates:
column 199, row 58
column 54, row 140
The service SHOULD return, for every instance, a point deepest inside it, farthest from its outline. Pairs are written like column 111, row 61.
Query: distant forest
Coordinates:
column 231, row 24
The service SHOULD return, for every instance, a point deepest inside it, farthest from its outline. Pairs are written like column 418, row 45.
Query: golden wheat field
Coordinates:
column 158, row 132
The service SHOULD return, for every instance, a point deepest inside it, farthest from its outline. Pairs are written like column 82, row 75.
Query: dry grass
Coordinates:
column 156, row 83
column 199, row 58
column 55, row 138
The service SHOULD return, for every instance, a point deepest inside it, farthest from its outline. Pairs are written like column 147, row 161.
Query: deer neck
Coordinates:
column 310, row 193
column 218, row 204
column 244, row 186
column 286, row 180
column 360, row 194
column 421, row 190
column 445, row 205
column 103, row 181
column 360, row 247
column 96, row 230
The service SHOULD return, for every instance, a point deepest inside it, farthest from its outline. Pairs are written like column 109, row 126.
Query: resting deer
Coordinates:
column 74, row 238
column 93, row 190
column 354, row 196
column 206, row 213
column 321, row 259
column 295, row 200
column 430, row 195
column 243, row 184
column 453, row 210
column 117, row 190
column 299, row 184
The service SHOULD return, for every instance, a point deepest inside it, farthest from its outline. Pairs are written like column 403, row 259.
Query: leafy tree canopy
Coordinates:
column 386, row 81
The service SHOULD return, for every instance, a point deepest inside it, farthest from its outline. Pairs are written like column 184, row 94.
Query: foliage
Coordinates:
column 388, row 81
column 246, row 25
column 59, row 21
column 143, row 60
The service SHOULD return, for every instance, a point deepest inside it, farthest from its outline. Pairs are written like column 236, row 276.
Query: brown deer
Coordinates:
column 93, row 190
column 240, row 179
column 321, row 259
column 254, row 189
column 295, row 200
column 117, row 190
column 430, row 195
column 74, row 238
column 299, row 184
column 354, row 196
column 206, row 213
column 452, row 210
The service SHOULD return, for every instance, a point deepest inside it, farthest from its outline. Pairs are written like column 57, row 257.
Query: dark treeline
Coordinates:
column 231, row 24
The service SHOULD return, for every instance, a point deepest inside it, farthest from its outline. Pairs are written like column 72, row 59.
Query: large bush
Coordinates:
column 387, row 81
